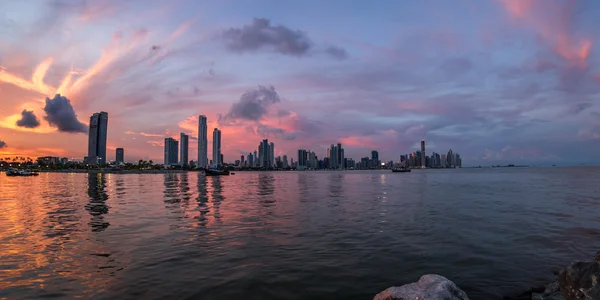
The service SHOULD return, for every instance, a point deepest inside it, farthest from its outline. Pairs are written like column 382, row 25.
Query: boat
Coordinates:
column 401, row 170
column 15, row 172
column 211, row 172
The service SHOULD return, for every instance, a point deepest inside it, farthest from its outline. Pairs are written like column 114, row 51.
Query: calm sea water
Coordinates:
column 292, row 235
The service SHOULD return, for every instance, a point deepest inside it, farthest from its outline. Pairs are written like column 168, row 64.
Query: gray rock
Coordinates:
column 429, row 287
column 552, row 292
column 579, row 281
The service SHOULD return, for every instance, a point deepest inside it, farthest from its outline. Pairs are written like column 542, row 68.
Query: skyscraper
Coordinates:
column 285, row 162
column 343, row 159
column 120, row 155
column 202, row 142
column 272, row 154
column 183, row 149
column 264, row 153
column 250, row 160
column 333, row 161
column 256, row 159
column 450, row 158
column 375, row 158
column 216, row 148
column 301, row 159
column 171, row 146
column 242, row 160
column 423, row 161
column 340, row 158
column 97, row 138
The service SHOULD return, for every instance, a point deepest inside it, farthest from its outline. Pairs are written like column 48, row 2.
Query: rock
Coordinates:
column 429, row 287
column 579, row 281
column 552, row 292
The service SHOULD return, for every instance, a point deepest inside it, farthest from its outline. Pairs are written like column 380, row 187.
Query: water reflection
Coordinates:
column 202, row 201
column 217, row 196
column 97, row 206
column 171, row 192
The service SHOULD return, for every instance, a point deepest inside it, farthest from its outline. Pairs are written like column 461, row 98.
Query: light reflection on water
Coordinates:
column 292, row 235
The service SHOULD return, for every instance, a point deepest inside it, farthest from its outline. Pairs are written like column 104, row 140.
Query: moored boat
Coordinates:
column 401, row 170
column 15, row 172
column 210, row 172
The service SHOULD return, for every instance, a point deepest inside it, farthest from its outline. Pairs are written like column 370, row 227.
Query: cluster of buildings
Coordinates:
column 419, row 159
column 176, row 153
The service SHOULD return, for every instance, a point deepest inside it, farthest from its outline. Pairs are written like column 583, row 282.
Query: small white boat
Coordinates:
column 15, row 172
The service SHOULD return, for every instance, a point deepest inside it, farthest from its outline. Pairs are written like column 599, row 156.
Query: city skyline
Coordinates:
column 507, row 84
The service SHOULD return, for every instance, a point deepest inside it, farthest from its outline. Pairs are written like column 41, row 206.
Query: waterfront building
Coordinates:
column 271, row 154
column 250, row 160
column 375, row 158
column 202, row 142
column 98, row 133
column 423, row 159
column 171, row 153
column 120, row 155
column 285, row 162
column 302, row 157
column 183, row 149
column 216, row 151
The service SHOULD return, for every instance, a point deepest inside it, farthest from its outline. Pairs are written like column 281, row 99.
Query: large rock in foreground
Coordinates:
column 579, row 281
column 429, row 287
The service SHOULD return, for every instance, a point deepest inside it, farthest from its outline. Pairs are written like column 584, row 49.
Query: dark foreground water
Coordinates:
column 292, row 235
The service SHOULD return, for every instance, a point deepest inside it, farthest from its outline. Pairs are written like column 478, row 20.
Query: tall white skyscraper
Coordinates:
column 183, row 149
column 202, row 142
column 217, row 147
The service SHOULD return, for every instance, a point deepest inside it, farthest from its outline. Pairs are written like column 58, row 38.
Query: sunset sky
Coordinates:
column 515, row 81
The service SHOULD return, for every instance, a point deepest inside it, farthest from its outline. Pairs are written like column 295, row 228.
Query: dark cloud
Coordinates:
column 60, row 114
column 253, row 104
column 261, row 34
column 337, row 52
column 28, row 120
column 579, row 107
column 2, row 144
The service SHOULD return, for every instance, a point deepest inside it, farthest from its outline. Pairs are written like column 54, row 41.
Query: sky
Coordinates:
column 498, row 81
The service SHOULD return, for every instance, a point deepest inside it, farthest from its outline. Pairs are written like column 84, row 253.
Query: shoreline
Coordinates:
column 101, row 171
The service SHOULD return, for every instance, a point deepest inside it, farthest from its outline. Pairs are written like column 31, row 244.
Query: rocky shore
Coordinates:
column 577, row 281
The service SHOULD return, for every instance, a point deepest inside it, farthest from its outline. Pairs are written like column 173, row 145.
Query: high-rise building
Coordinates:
column 450, row 159
column 171, row 147
column 120, row 155
column 375, row 158
column 333, row 160
column 97, row 138
column 216, row 152
column 301, row 159
column 256, row 159
column 340, row 156
column 242, row 160
column 343, row 159
column 202, row 142
column 312, row 162
column 264, row 154
column 423, row 159
column 183, row 149
column 285, row 162
column 272, row 154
